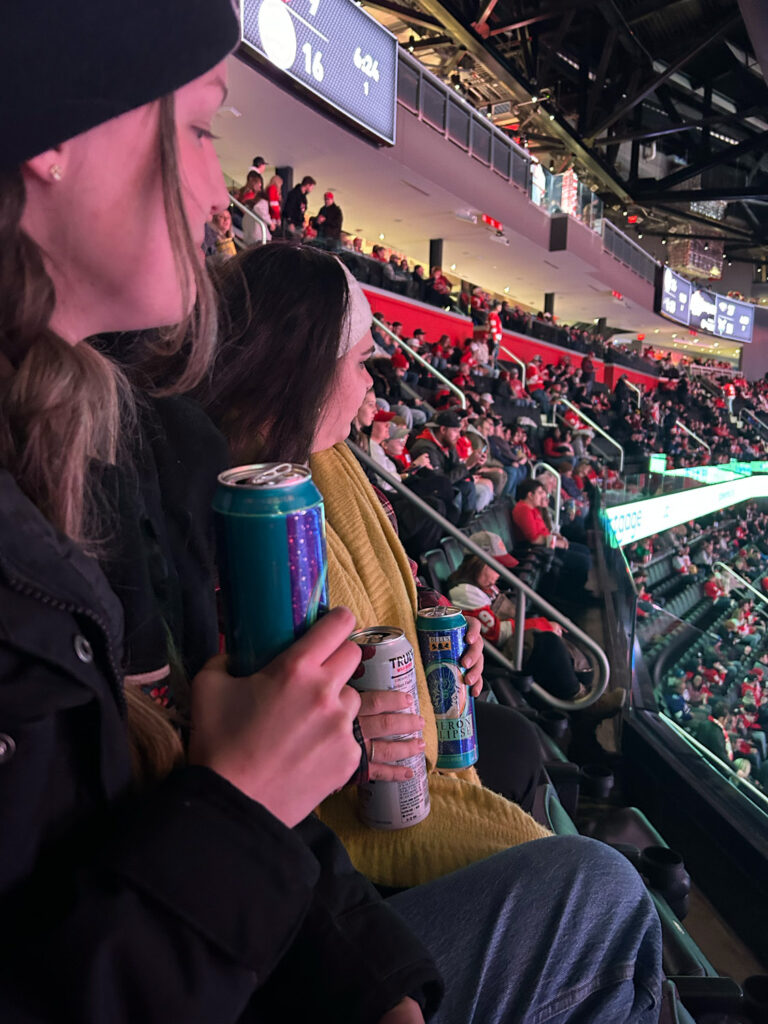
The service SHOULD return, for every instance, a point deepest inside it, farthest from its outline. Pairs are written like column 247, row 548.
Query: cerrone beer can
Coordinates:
column 388, row 664
column 441, row 640
column 270, row 536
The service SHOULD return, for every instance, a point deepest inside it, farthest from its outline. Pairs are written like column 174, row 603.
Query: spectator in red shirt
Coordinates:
column 274, row 193
column 572, row 561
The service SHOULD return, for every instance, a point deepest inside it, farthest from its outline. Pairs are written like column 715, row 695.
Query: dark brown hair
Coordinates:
column 282, row 311
column 467, row 572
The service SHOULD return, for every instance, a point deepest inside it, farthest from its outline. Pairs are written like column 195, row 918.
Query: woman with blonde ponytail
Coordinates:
column 139, row 882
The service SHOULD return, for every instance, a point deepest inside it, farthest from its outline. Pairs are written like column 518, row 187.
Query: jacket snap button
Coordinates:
column 83, row 649
column 7, row 747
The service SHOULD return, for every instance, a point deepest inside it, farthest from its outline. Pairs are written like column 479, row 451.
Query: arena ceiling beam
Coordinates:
column 523, row 91
column 757, row 143
column 656, row 196
column 658, row 80
column 407, row 14
column 684, row 126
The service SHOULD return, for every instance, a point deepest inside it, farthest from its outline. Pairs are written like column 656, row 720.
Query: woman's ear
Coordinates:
column 48, row 167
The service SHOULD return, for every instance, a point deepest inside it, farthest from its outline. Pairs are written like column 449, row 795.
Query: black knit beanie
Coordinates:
column 70, row 66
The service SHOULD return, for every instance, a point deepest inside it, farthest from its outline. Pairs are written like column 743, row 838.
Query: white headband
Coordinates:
column 358, row 318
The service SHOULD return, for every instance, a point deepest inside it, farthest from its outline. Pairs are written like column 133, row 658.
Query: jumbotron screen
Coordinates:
column 703, row 310
column 333, row 49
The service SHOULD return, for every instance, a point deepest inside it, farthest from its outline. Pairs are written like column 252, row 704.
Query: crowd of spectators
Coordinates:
column 715, row 686
column 287, row 217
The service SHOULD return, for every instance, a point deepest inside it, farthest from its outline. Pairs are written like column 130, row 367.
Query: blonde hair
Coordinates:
column 43, row 379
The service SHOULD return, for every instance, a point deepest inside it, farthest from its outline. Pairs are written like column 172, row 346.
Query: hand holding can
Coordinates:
column 387, row 664
column 441, row 641
column 283, row 736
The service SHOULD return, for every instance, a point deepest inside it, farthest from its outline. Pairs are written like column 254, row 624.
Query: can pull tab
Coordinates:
column 272, row 474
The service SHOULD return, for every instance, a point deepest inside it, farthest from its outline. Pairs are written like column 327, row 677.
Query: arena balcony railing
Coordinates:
column 596, row 427
column 423, row 363
column 523, row 594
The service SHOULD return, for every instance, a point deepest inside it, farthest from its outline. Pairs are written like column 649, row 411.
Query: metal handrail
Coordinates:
column 516, row 359
column 423, row 362
column 710, row 756
column 598, row 429
column 749, row 412
column 521, row 588
column 637, row 391
column 701, row 441
column 740, row 578
column 265, row 233
column 558, row 487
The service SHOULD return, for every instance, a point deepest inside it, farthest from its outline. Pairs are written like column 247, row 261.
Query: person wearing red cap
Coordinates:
column 329, row 220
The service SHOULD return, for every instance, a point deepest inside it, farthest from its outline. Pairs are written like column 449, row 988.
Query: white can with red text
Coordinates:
column 388, row 664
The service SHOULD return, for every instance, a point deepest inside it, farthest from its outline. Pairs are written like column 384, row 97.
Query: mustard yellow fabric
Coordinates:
column 370, row 574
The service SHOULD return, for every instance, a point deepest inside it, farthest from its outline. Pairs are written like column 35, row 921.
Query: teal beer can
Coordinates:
column 441, row 641
column 271, row 552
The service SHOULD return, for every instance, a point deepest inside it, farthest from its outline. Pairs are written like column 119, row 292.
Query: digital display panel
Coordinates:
column 675, row 298
column 733, row 319
column 335, row 50
column 703, row 310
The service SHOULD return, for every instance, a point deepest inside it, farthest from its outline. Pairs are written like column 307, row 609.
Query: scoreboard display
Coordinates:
column 703, row 310
column 675, row 297
column 333, row 49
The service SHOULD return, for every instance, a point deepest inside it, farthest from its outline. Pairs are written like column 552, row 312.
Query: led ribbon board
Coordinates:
column 639, row 519
column 332, row 49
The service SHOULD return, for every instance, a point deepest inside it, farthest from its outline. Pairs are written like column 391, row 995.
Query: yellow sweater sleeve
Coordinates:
column 368, row 571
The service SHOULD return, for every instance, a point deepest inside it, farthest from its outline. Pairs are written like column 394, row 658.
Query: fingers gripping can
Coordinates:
column 270, row 537
column 388, row 664
column 441, row 639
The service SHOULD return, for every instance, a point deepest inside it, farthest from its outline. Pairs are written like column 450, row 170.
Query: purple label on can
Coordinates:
column 307, row 565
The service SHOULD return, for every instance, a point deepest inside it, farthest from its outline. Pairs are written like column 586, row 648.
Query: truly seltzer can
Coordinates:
column 388, row 664
column 270, row 536
column 441, row 640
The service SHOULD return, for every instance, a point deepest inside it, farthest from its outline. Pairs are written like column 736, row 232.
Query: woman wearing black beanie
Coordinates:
column 175, row 902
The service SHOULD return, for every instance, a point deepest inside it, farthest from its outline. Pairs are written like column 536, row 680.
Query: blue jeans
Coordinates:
column 554, row 931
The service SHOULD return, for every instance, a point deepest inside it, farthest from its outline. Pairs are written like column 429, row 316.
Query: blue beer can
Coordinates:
column 441, row 641
column 271, row 553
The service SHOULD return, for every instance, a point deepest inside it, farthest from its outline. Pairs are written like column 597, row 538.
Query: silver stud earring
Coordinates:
column 55, row 172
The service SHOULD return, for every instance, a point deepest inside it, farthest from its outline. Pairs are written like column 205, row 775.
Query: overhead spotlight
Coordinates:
column 534, row 98
column 453, row 266
column 381, row 238
column 624, row 213
column 506, row 290
column 551, row 165
column 551, row 117
column 730, row 263
column 663, row 241
column 706, row 246
column 639, row 234
column 411, row 43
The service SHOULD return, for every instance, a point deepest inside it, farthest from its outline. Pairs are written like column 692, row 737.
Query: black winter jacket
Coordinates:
column 189, row 904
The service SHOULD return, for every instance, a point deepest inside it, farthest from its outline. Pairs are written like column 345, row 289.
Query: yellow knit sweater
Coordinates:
column 370, row 574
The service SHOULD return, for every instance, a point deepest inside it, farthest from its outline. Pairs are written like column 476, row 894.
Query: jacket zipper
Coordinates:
column 29, row 590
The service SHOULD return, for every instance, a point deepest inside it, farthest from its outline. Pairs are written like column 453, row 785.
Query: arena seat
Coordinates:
column 436, row 568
